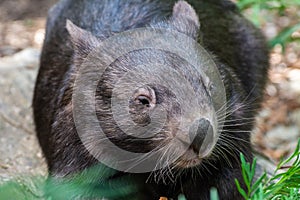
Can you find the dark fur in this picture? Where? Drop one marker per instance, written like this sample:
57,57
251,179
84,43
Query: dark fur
240,53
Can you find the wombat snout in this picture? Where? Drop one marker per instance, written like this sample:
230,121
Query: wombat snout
201,129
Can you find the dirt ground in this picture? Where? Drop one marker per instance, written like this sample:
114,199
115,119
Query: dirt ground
21,35
23,9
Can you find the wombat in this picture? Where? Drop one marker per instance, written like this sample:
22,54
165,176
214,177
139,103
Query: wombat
76,27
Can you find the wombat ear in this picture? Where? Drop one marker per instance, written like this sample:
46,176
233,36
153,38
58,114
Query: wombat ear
185,19
83,41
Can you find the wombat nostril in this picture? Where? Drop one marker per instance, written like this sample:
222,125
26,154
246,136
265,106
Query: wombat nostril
200,129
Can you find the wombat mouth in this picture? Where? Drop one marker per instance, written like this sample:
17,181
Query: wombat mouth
188,160
191,154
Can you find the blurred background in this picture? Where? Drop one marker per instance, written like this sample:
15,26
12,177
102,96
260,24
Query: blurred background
22,29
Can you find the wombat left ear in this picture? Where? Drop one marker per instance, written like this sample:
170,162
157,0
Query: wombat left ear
83,41
185,19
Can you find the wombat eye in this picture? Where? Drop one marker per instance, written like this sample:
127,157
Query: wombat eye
144,96
141,99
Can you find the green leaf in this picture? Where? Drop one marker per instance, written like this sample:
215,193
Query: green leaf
284,36
258,183
214,194
241,190
246,172
181,197
242,5
252,170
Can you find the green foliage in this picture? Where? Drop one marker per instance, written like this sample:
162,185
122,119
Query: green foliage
214,194
284,36
86,185
181,197
15,190
279,7
282,185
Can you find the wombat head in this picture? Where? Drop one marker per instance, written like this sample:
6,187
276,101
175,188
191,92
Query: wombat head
149,100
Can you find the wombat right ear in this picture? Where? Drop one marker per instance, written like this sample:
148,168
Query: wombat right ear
185,19
83,41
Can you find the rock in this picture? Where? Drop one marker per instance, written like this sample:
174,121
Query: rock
7,50
26,58
282,134
264,165
19,149
294,78
295,117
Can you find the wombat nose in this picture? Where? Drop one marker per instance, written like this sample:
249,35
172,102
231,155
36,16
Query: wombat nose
200,129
